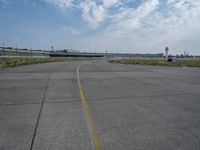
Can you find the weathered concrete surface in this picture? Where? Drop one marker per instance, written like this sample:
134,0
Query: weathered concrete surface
132,106
61,124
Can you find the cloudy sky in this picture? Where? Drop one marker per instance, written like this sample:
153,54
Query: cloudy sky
133,26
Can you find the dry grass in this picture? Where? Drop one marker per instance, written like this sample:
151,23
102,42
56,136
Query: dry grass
160,62
12,62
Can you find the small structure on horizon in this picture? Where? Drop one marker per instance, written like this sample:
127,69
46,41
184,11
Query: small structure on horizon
166,52
52,48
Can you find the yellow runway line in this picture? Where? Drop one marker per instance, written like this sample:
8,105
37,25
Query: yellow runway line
95,137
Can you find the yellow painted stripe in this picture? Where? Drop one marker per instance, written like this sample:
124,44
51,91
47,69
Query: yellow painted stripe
95,137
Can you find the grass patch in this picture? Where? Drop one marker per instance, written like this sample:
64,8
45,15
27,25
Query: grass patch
160,62
12,62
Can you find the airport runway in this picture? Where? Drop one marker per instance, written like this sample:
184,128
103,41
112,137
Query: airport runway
122,107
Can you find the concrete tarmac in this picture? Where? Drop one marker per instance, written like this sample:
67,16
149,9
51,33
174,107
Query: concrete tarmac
133,107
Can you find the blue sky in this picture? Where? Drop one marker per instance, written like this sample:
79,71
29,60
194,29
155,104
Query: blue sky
131,26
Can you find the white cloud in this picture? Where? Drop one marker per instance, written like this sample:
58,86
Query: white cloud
130,19
61,3
71,30
92,13
109,3
95,14
154,23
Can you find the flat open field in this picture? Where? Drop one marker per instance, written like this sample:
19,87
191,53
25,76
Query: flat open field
123,107
18,61
180,62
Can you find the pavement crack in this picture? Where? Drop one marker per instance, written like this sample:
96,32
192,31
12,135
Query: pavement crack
39,115
19,104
